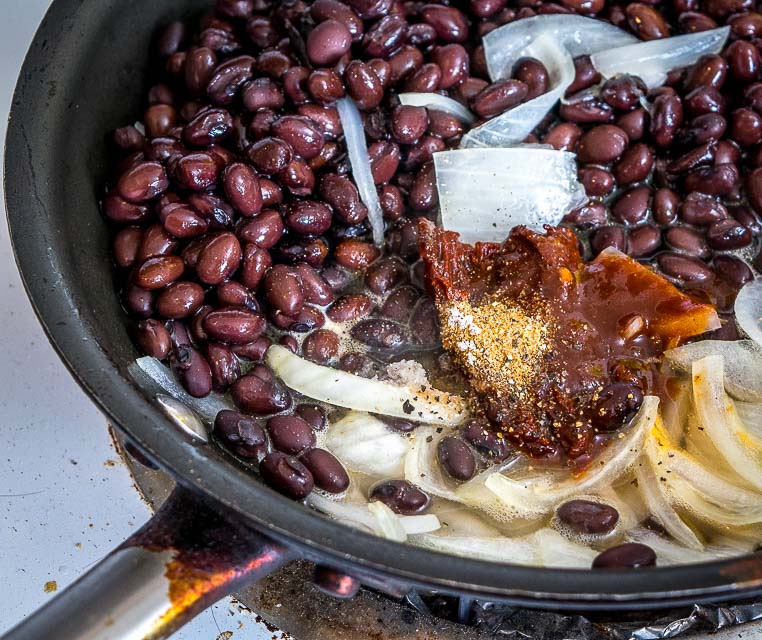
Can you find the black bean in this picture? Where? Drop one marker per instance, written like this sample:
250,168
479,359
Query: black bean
328,472
401,497
625,556
726,235
456,458
587,517
286,475
312,414
254,395
290,434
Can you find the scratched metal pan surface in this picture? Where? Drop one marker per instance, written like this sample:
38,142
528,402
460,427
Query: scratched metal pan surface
84,75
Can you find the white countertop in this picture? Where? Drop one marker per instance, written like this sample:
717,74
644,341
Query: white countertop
65,498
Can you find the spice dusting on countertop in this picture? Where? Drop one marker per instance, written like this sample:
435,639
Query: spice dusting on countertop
501,346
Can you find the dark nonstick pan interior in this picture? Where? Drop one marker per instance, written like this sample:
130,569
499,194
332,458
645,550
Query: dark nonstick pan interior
83,76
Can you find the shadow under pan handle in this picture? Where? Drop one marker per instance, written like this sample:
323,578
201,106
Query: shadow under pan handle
184,559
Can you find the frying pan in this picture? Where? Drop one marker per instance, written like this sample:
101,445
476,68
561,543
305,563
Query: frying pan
83,76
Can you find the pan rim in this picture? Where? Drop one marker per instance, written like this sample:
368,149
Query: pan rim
313,534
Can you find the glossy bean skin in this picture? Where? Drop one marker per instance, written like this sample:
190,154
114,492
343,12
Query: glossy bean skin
683,268
260,396
327,472
327,42
219,259
634,165
242,188
456,458
630,555
363,85
602,144
687,241
234,325
224,365
192,370
499,97
587,517
153,338
290,434
286,475
180,300
284,289
401,497
321,346
644,241
240,433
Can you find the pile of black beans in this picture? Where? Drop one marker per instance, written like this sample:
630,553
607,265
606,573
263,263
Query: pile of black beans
237,221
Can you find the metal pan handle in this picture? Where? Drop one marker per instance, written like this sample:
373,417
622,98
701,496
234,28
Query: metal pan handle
184,559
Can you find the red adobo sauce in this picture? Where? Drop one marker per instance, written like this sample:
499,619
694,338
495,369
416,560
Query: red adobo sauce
558,352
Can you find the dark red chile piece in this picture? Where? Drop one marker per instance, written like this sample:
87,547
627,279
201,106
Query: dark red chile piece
234,325
683,268
219,259
290,434
609,237
329,474
224,365
401,497
666,118
498,97
180,300
192,370
630,555
602,144
158,272
286,475
728,235
143,181
588,518
644,241
283,289
327,42
259,394
646,21
702,210
153,338
687,241
312,414
240,433
632,206
456,458
615,405
321,346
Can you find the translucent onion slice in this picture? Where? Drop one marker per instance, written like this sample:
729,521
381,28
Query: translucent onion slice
660,507
438,102
365,444
748,310
719,419
743,364
357,149
513,126
543,493
522,550
577,35
152,376
651,61
374,396
387,521
484,193
556,550
669,553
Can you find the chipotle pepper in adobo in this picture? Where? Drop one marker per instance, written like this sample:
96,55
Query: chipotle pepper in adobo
558,352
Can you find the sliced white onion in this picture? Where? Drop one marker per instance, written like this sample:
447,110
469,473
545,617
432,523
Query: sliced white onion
521,550
719,419
576,34
388,522
558,551
355,513
424,523
513,126
153,376
743,364
374,396
661,509
651,61
669,553
365,444
359,160
748,310
484,193
544,493
438,102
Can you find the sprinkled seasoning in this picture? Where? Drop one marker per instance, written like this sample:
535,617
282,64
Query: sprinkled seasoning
503,346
